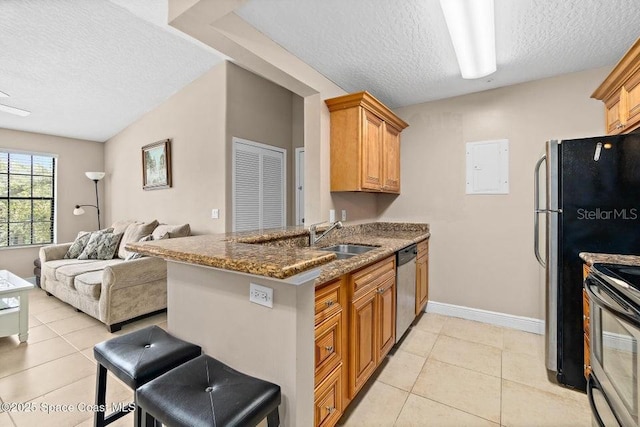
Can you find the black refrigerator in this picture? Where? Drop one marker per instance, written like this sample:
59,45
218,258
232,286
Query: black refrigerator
589,203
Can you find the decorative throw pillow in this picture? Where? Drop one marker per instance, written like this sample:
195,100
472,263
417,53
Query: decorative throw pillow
81,241
121,226
134,233
101,246
181,230
136,255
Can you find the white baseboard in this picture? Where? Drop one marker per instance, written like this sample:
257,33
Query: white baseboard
526,324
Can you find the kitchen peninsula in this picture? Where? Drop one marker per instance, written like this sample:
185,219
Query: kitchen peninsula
208,286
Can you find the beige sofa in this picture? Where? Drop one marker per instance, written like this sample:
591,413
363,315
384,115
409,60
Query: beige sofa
113,291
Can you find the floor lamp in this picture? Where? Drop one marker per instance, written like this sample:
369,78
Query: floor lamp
95,177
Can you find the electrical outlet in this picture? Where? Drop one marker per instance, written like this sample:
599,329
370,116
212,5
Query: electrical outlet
344,214
215,213
332,215
261,295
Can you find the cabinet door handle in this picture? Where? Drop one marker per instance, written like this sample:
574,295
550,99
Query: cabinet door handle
329,348
331,409
329,303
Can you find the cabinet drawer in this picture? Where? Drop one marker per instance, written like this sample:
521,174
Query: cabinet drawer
328,346
328,300
328,400
372,276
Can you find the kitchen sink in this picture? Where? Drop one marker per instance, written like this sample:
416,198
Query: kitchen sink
348,249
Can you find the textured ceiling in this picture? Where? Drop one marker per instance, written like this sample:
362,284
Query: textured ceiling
88,68
400,51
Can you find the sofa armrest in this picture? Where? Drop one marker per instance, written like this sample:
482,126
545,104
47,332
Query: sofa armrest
134,272
52,252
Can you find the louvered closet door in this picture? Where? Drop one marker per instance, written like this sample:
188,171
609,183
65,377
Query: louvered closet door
258,186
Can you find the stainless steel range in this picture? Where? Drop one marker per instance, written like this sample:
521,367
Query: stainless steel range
614,387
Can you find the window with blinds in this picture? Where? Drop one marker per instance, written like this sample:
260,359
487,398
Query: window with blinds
27,201
258,186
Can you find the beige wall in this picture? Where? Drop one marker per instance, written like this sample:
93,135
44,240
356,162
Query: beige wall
75,157
482,246
194,119
260,111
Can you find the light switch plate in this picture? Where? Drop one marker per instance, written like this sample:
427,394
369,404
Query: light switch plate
344,214
332,215
215,213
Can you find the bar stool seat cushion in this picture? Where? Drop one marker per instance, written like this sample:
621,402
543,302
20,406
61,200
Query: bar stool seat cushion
206,392
142,355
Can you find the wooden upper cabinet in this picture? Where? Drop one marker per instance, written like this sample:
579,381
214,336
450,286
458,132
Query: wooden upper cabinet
372,140
391,165
620,93
365,144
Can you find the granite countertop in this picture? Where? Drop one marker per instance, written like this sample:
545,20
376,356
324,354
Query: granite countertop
593,258
282,253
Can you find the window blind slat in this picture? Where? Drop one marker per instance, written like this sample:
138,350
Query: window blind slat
27,204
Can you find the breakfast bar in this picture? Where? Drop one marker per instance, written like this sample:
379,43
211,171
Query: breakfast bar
210,279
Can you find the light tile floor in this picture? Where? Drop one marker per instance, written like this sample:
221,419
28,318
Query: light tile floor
54,373
446,372
455,372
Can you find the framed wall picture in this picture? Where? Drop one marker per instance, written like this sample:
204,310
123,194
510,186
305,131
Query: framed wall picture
156,165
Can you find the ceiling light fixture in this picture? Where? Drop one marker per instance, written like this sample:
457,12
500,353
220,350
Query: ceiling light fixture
471,25
3,95
13,110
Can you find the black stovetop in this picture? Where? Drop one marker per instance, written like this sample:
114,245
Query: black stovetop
623,280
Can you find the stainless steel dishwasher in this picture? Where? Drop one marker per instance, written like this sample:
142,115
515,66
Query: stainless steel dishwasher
405,289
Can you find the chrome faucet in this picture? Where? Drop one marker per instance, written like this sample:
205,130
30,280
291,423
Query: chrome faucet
313,239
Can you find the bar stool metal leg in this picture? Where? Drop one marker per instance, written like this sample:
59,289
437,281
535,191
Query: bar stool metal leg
101,396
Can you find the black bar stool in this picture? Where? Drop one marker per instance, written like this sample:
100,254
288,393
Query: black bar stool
205,392
137,358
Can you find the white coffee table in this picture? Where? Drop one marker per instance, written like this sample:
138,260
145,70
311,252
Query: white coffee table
14,305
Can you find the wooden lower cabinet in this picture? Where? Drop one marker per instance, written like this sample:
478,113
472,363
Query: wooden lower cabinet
362,345
422,276
373,320
328,346
586,325
328,404
386,318
355,326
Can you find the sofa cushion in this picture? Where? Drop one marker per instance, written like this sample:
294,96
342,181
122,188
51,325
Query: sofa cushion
173,231
81,241
134,233
49,268
101,246
89,284
66,274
